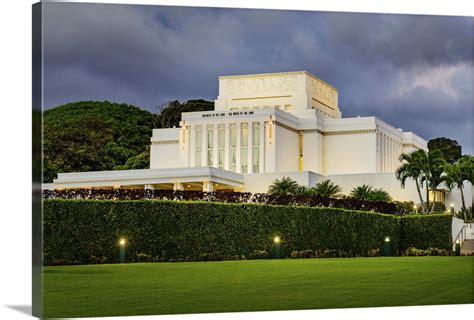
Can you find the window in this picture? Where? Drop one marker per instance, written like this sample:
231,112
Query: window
255,147
210,145
221,145
232,147
244,146
440,196
198,146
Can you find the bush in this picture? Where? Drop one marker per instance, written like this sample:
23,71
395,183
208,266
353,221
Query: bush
302,254
225,197
143,257
259,254
183,231
414,252
426,230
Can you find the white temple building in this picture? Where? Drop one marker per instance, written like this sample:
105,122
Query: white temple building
265,127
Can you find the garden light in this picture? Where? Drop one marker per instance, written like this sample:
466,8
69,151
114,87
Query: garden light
122,243
276,247
458,247
387,247
458,242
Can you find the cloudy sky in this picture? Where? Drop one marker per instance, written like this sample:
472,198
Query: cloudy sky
414,72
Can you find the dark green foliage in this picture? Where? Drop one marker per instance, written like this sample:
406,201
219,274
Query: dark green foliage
327,188
366,192
450,149
101,135
75,230
285,186
95,136
37,145
170,116
226,197
425,231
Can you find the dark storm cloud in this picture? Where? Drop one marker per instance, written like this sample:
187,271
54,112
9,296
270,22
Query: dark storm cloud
414,72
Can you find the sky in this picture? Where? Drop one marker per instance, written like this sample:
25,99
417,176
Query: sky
414,72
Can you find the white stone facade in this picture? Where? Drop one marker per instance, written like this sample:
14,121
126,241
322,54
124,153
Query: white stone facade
266,126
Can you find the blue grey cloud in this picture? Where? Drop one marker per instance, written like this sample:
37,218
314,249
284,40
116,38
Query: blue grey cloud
415,72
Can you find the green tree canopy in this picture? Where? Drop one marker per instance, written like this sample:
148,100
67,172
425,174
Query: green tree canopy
450,149
102,135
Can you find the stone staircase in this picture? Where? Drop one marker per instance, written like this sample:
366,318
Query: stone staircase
467,247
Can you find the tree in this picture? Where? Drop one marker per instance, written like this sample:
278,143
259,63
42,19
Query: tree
412,168
379,195
455,175
433,173
366,192
170,112
361,192
94,136
450,149
327,188
286,186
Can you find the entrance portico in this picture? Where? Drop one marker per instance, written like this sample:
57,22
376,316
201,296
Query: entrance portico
199,178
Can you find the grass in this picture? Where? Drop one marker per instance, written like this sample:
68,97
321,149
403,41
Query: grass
195,287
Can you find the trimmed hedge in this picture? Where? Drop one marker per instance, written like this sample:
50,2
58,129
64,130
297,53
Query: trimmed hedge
77,230
426,231
226,197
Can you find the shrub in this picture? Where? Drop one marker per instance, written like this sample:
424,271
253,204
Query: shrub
97,260
303,199
405,207
259,254
143,257
375,253
302,254
74,230
414,252
426,230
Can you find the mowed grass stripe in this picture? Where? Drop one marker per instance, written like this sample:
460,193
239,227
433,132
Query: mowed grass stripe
167,288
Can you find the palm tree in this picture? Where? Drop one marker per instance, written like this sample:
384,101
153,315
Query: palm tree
327,188
455,175
379,195
361,192
433,173
286,186
412,168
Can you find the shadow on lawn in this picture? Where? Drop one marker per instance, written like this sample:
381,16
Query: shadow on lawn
26,309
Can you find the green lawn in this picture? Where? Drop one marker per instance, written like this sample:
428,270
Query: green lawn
165,288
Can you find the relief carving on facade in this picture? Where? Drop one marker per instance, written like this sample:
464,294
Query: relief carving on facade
261,85
322,92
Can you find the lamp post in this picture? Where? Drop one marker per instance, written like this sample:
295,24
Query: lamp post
387,247
452,208
458,247
276,247
122,243
415,207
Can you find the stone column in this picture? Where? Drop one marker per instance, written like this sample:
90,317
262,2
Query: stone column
238,166
250,147
226,146
178,186
192,146
215,147
204,145
262,147
207,186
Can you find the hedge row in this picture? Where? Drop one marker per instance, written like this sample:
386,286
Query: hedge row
84,231
226,197
426,231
